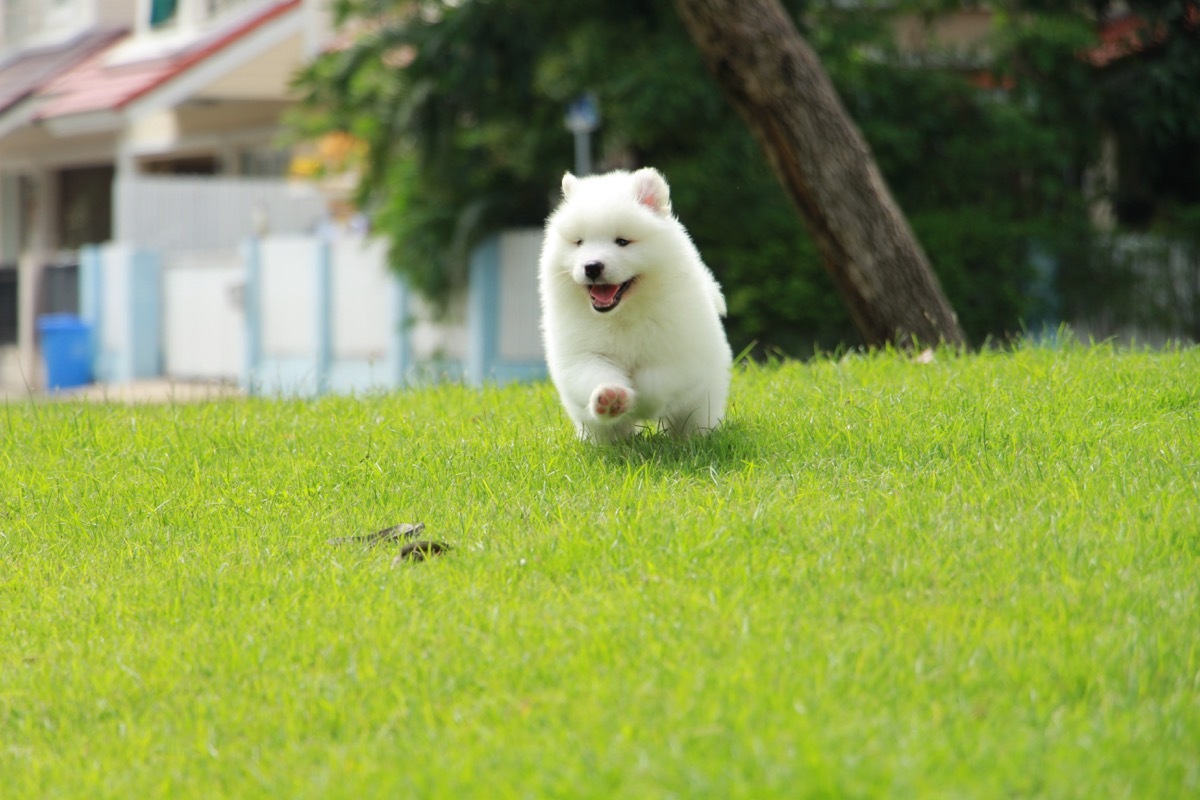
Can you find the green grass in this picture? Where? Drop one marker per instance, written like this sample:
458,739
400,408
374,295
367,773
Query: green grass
974,578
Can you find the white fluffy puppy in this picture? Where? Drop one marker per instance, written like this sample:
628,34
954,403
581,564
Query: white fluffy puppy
630,314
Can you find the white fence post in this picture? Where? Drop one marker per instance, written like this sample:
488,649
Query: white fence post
323,315
483,327
121,297
252,304
504,342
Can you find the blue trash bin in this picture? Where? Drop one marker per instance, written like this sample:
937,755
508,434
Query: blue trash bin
66,349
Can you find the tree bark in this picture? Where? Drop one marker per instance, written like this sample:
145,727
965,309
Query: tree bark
776,82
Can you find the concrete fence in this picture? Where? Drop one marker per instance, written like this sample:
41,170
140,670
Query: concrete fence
322,317
305,315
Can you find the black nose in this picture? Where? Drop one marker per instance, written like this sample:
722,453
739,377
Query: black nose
593,269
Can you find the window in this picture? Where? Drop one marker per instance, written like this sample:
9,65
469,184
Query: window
187,14
163,12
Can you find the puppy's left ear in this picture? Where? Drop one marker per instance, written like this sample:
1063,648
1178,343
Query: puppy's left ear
651,190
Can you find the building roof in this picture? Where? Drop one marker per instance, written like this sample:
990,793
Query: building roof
1130,34
25,73
103,83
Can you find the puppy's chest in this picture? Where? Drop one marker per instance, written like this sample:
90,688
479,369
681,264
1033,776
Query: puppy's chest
632,347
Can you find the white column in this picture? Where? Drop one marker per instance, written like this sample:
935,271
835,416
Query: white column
30,266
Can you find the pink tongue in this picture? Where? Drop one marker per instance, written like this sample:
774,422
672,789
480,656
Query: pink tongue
603,293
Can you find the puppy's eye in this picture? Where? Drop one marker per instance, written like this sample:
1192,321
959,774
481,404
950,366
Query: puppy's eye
578,242
620,242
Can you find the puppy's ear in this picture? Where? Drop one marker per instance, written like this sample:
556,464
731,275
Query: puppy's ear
650,188
568,184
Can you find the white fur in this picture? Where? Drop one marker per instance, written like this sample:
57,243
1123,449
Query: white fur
661,353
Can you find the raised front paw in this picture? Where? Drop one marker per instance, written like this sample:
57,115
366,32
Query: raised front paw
610,402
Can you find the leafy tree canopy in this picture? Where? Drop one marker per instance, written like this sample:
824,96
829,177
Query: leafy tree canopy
461,105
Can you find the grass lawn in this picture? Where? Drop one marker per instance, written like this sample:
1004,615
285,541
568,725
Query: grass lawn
978,577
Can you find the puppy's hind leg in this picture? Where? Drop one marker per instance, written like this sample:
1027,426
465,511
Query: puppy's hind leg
697,420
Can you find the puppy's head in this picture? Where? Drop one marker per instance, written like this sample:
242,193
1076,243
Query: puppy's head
607,234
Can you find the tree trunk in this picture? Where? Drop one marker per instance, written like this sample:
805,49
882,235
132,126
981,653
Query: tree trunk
776,82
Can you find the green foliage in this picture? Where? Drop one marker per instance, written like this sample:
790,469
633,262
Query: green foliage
977,577
983,172
983,264
1152,104
462,104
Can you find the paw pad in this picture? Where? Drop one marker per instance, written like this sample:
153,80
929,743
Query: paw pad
610,401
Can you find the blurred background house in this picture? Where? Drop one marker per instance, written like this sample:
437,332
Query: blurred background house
148,185
102,102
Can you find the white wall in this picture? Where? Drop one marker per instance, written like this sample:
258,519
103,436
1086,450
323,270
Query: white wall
520,309
437,337
364,314
204,324
288,296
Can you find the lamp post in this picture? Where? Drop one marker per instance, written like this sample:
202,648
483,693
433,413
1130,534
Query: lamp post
583,117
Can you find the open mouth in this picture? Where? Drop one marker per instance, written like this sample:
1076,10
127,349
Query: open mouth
606,296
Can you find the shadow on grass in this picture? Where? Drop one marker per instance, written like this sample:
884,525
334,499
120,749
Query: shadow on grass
731,444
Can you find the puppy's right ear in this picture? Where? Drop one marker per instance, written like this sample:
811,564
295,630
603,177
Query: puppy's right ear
568,184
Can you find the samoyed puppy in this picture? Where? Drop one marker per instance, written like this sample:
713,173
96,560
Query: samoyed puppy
631,317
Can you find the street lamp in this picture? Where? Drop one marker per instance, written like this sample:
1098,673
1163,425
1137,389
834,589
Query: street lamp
583,117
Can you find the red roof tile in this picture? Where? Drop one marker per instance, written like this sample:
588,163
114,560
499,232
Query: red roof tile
26,73
99,85
1129,35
